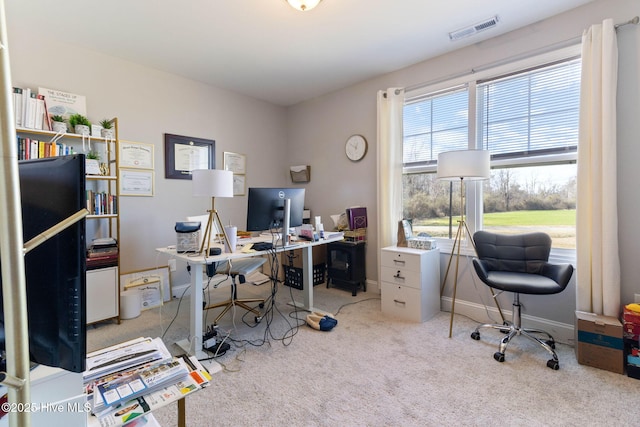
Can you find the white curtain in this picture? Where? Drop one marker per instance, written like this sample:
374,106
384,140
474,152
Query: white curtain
390,104
598,264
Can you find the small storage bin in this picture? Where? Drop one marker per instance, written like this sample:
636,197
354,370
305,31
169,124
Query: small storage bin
293,276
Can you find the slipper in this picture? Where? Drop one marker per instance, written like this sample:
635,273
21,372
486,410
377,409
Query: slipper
321,322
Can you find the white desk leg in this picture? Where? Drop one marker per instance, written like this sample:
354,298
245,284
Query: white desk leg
193,346
307,280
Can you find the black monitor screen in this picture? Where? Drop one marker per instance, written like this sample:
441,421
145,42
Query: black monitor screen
265,208
52,189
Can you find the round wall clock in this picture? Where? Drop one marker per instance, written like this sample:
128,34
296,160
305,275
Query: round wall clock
356,147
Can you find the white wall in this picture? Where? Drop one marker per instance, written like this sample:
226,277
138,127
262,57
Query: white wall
149,103
318,128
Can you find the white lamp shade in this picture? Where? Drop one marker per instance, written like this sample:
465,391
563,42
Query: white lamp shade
303,5
463,164
212,183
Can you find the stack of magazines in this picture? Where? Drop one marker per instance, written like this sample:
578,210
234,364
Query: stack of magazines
102,253
130,380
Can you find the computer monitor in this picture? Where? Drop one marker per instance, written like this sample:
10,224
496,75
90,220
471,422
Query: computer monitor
52,189
266,208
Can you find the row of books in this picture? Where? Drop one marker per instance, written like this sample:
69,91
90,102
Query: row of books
29,148
129,380
30,109
101,203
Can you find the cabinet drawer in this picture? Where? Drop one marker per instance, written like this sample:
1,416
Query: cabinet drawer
402,302
401,276
401,259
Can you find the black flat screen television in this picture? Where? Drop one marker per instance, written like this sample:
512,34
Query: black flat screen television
265,208
52,189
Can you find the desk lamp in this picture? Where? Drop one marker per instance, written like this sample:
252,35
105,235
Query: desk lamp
463,165
212,183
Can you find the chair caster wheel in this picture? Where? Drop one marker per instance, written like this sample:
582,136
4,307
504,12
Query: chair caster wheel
475,335
258,319
551,344
498,356
553,364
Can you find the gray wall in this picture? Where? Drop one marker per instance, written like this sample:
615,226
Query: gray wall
150,103
318,128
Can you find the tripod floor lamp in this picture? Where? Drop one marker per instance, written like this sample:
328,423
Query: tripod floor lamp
212,183
462,165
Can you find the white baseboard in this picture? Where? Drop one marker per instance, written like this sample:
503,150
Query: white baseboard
561,332
179,291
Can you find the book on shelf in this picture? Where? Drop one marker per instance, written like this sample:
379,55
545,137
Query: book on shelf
17,105
357,217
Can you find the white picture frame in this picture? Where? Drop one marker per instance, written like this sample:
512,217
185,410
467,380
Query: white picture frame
160,273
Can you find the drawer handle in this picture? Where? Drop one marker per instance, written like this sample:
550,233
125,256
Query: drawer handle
398,276
398,261
399,302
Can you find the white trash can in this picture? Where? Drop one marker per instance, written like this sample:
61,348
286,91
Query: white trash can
130,303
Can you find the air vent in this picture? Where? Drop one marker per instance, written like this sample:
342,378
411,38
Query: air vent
474,29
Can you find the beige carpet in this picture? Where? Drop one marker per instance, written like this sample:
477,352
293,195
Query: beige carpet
372,370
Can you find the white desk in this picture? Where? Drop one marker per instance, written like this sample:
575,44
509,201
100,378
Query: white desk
193,346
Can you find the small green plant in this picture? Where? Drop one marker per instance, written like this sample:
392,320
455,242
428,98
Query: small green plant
106,124
93,155
57,118
78,119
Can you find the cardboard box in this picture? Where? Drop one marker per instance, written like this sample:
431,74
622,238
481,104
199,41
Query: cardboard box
318,255
599,342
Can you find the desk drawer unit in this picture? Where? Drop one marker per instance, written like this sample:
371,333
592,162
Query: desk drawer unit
410,283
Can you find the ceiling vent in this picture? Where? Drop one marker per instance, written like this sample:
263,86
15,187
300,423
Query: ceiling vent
474,29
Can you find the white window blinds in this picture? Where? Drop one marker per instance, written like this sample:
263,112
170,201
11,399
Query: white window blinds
435,123
530,113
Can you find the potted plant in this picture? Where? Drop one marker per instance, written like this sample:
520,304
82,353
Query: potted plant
58,124
92,163
81,125
107,129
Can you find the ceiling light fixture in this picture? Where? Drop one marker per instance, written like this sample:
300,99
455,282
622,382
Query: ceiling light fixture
303,5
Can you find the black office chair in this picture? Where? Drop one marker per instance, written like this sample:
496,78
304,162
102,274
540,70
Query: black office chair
519,264
238,269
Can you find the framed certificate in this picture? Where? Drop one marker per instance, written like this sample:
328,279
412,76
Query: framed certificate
238,185
234,162
134,182
184,154
136,155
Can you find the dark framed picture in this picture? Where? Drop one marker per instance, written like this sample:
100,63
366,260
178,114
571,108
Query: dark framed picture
184,154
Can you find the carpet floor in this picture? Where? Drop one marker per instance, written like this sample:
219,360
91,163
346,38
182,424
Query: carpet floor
374,370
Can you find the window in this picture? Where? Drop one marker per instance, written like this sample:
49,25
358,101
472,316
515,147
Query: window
528,120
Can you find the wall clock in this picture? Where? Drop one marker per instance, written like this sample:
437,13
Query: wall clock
356,147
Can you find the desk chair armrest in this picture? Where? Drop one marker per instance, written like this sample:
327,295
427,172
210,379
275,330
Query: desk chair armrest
559,273
481,269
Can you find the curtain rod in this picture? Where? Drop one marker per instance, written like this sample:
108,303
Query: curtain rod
633,21
566,43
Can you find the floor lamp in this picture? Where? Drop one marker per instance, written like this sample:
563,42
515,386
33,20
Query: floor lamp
212,183
463,165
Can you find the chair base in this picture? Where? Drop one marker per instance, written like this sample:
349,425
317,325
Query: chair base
234,301
242,303
514,328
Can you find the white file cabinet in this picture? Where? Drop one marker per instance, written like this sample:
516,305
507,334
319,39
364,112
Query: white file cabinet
102,294
410,282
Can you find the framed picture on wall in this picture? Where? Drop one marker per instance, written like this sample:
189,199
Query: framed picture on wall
184,154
